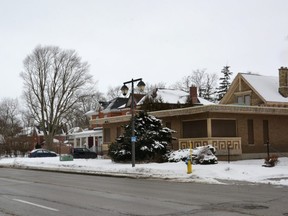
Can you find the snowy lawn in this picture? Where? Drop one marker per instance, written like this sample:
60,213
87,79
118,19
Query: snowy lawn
246,170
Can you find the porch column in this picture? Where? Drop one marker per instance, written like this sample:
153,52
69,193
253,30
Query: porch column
209,128
80,142
75,142
94,147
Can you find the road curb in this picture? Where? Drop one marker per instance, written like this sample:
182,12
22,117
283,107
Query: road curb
86,172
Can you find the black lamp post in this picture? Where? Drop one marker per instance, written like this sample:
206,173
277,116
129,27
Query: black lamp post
124,89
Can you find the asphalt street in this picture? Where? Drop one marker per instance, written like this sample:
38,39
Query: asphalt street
29,193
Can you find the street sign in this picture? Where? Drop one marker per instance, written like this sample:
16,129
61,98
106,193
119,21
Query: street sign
133,139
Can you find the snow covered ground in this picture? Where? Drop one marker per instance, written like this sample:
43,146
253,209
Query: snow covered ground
222,173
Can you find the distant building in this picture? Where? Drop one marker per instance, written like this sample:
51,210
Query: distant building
91,139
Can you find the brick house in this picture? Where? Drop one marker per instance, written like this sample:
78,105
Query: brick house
252,113
111,121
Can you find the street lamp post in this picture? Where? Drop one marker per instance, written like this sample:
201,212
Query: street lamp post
124,89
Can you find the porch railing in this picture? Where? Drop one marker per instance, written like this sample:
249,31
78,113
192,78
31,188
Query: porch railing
222,144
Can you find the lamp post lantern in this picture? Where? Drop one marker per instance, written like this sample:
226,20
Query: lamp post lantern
124,90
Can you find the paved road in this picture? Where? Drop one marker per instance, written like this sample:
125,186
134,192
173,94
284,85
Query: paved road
38,193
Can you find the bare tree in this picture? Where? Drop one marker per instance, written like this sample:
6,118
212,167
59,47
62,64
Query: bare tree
88,100
150,87
205,82
10,124
184,84
209,89
52,77
9,117
114,92
27,118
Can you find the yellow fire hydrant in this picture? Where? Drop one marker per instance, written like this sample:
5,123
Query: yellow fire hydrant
189,166
189,162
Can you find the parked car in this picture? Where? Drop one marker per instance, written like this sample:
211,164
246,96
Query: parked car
42,153
83,153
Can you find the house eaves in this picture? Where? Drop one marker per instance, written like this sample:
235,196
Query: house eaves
237,109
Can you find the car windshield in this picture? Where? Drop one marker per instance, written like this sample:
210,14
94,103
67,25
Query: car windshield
81,150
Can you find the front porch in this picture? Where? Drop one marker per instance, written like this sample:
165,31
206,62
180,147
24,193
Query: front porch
91,139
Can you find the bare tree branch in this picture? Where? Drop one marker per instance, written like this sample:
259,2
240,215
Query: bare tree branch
52,77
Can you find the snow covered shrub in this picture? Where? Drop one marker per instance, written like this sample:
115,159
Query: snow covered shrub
271,161
151,143
200,155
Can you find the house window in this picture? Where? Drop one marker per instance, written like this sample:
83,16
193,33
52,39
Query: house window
240,100
244,100
107,135
223,128
250,127
195,129
247,100
265,131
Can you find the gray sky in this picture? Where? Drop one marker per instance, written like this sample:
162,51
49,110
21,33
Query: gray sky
157,40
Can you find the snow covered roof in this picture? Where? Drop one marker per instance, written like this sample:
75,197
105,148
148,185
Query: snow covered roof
204,101
266,87
91,112
115,104
29,131
173,96
86,133
75,130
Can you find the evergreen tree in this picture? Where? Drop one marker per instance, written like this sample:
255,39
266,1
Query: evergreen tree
224,82
151,143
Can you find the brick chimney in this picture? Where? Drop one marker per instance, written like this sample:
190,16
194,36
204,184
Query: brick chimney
283,81
193,94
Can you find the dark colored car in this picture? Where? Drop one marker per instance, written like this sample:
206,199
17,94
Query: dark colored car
83,153
42,153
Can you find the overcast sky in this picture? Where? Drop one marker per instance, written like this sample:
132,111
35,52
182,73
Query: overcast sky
157,40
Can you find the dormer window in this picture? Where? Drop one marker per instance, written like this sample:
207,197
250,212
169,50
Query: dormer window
243,98
240,100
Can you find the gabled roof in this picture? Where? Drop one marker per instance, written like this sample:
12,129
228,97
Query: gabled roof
137,99
265,87
173,96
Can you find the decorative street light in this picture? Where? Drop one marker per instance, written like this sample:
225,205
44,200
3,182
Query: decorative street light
124,90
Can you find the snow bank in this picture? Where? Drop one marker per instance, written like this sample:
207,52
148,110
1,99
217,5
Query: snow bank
223,172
